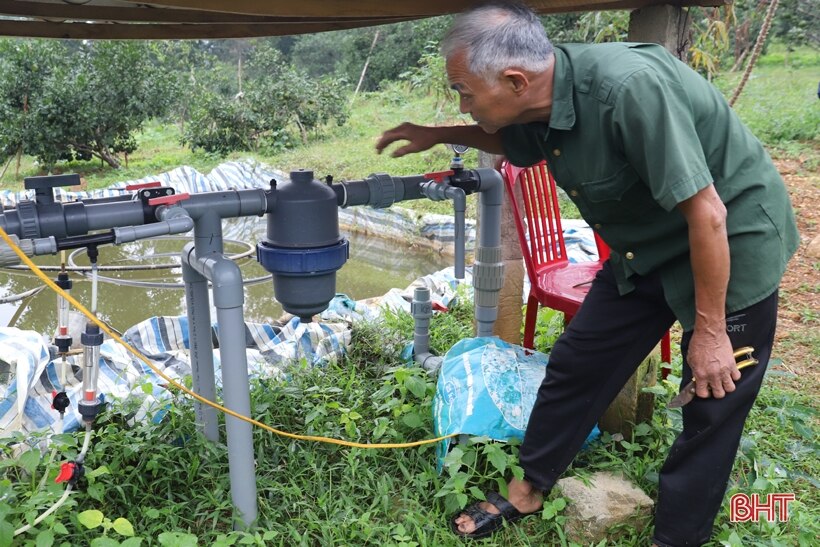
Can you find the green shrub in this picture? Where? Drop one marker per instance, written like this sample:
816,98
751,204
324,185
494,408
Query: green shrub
59,103
279,107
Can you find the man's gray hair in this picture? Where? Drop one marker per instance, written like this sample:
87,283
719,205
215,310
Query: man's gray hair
498,36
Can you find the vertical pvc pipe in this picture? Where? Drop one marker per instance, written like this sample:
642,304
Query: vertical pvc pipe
460,208
236,393
228,296
488,271
198,307
422,310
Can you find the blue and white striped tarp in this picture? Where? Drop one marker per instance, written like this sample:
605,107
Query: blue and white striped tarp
32,376
26,398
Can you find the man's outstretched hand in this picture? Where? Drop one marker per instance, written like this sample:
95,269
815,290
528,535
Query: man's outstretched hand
420,138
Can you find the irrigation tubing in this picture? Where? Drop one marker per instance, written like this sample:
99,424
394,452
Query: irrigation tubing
165,284
64,497
159,284
21,296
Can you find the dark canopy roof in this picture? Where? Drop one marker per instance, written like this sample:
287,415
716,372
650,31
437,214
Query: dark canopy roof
188,19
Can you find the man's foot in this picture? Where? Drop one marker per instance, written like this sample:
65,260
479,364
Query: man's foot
521,495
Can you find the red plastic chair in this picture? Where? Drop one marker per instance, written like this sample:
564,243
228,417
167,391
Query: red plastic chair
555,282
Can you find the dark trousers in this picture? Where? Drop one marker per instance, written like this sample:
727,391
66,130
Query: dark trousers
590,363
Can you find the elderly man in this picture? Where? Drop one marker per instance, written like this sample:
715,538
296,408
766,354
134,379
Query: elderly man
700,227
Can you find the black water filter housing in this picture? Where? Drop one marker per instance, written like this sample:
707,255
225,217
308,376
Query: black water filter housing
303,248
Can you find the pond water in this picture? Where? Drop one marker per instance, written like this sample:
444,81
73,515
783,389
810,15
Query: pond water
375,266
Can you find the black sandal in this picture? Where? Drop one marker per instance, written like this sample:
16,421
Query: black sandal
486,523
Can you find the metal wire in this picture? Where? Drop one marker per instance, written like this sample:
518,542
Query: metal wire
72,267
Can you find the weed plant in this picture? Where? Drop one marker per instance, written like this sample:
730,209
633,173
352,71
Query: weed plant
164,484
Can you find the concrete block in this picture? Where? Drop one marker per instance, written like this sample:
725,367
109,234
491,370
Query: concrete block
607,501
662,24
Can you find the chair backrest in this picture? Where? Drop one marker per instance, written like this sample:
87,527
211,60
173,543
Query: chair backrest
540,196
546,242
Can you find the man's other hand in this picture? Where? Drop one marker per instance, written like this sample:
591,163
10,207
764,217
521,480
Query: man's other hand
713,364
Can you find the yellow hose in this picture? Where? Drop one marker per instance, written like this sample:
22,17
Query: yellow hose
105,328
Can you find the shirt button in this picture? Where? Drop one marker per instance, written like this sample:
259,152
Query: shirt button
573,193
597,226
556,152
629,255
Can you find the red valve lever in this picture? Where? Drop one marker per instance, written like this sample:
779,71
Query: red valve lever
168,200
134,187
66,472
439,175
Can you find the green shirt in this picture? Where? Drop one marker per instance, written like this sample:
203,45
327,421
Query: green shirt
632,133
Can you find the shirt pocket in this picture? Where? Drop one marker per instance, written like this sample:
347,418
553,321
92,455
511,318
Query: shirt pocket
620,197
772,226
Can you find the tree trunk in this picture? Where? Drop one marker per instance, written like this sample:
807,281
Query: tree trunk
108,158
302,130
366,63
3,174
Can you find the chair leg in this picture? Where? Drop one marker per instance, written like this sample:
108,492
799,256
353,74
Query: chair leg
666,355
529,322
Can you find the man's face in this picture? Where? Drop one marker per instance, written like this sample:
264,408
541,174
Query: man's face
492,106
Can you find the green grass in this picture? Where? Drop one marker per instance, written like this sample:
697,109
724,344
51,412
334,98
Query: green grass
172,486
780,105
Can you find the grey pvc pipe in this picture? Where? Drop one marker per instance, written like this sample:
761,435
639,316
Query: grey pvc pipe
361,192
422,310
208,234
206,258
491,197
439,192
176,225
488,272
30,247
103,216
236,393
226,204
201,350
459,199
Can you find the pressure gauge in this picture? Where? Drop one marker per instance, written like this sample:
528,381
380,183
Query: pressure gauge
459,148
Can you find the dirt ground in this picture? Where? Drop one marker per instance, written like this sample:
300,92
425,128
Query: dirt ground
798,329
